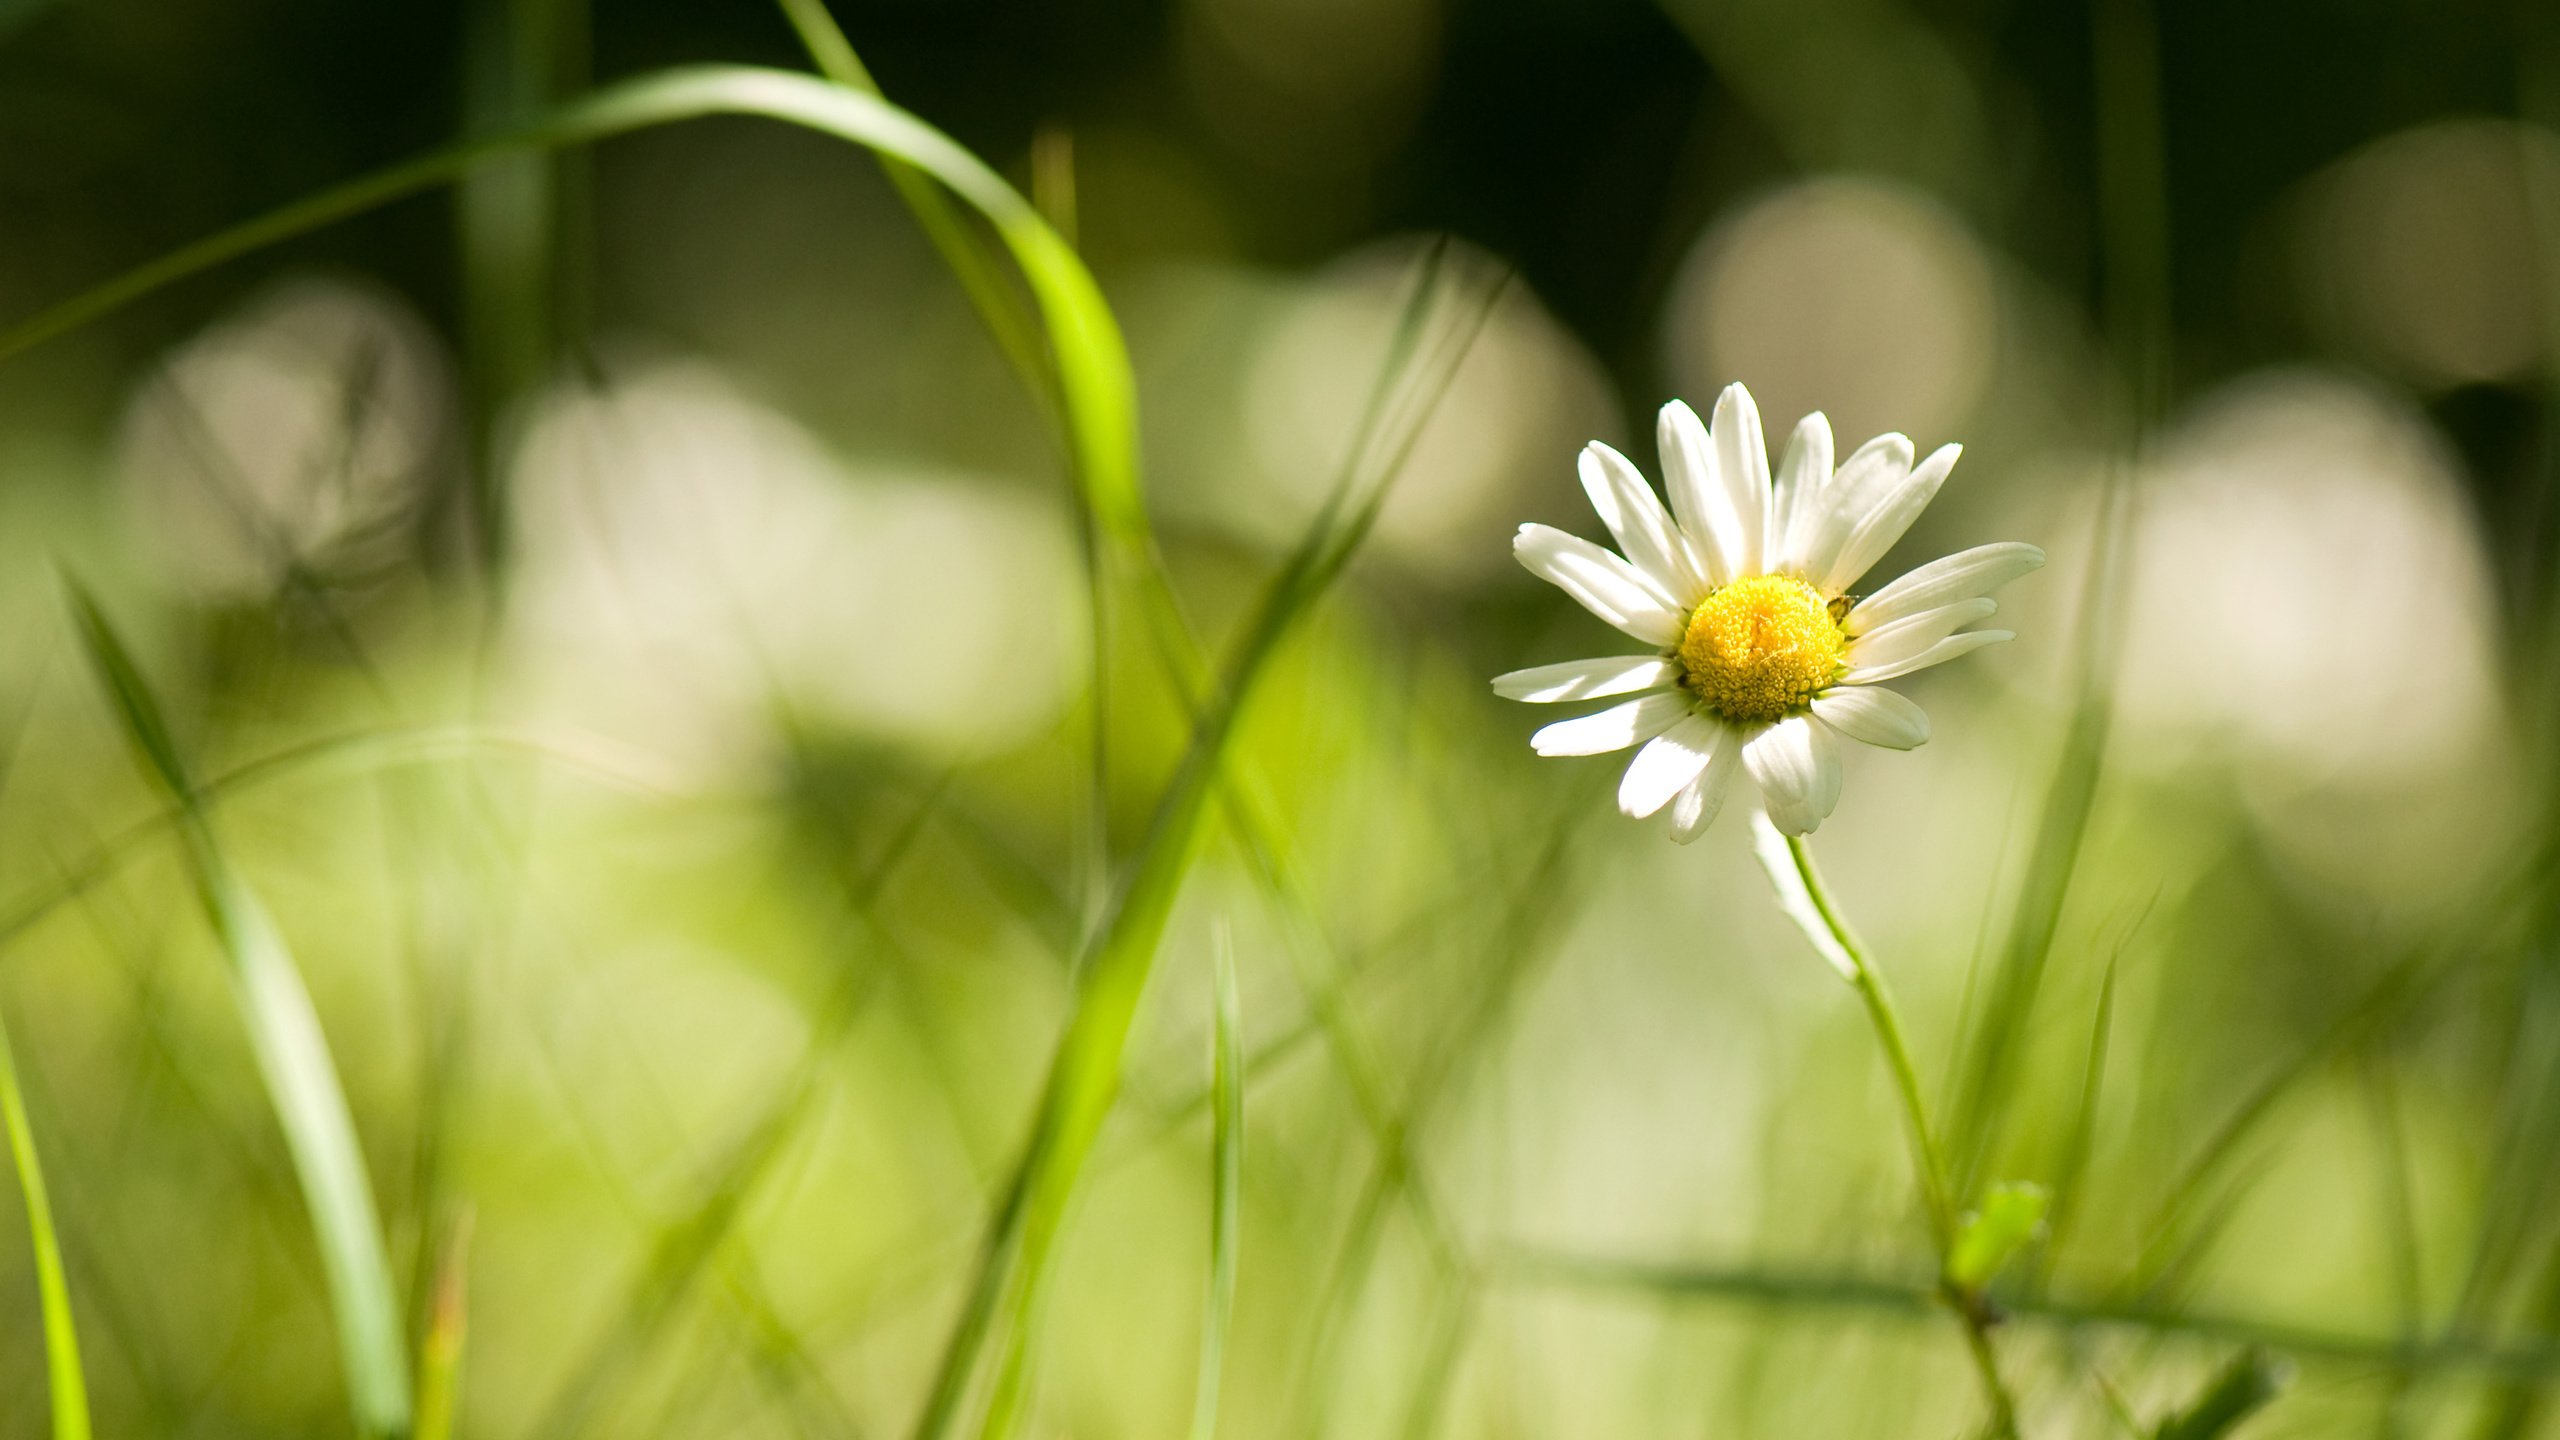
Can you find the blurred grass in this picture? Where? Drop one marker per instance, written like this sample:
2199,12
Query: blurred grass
292,1055
1488,1024
1111,971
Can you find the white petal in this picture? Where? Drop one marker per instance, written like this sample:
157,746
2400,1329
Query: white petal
1665,767
1827,746
1798,770
1826,522
1742,463
1802,475
1615,728
1938,654
1587,679
1697,496
1780,864
1912,634
1643,528
1887,520
1960,576
1606,585
1694,809
1878,717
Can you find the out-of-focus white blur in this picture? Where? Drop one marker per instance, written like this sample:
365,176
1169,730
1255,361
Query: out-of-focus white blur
1861,299
693,560
2417,252
2311,606
297,436
1521,404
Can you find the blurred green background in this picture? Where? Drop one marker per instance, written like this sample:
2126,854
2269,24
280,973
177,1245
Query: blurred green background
646,627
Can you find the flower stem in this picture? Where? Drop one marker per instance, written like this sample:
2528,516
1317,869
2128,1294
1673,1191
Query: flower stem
1975,1317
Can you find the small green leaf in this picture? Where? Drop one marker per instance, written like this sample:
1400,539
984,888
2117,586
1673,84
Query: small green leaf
2010,1216
2236,1392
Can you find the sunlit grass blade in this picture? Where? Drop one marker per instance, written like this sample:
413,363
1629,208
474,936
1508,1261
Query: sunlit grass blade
1015,330
2052,860
2134,222
1248,809
292,1056
1096,389
447,1329
67,1389
1084,1075
1226,1191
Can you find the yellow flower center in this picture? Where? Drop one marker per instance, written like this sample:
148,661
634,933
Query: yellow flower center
1760,647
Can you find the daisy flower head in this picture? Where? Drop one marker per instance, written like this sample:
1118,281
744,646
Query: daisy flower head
1760,658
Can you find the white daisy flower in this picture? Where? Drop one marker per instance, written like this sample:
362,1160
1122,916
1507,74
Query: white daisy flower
1761,657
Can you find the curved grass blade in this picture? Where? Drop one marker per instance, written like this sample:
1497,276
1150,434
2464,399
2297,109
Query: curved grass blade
2134,219
70,1393
1226,1146
1016,332
1178,648
1112,970
1000,307
1096,389
292,1056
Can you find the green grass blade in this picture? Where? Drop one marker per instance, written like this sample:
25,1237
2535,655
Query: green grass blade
1226,1192
1084,1075
144,728
292,1056
979,272
70,1393
302,1083
2134,219
1097,392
